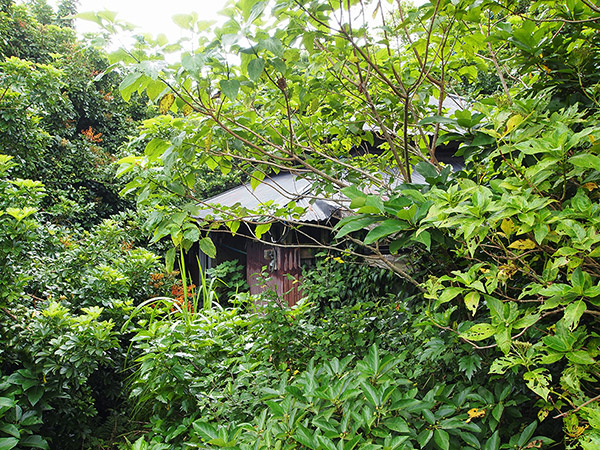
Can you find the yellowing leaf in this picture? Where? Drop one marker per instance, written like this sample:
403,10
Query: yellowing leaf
507,226
187,109
538,381
506,271
472,301
590,186
522,244
475,413
576,431
479,332
165,103
513,122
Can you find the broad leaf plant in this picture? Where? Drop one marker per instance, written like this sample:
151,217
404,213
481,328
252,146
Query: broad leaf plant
354,96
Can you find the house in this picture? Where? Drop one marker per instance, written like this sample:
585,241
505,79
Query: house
290,243
286,247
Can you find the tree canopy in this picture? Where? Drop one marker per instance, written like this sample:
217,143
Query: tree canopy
304,86
477,330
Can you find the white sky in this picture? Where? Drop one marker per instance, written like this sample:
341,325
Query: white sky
150,16
155,16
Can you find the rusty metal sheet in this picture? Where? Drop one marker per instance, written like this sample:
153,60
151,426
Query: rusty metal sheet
284,276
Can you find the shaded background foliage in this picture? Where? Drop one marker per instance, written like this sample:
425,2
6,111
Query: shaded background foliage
63,126
486,339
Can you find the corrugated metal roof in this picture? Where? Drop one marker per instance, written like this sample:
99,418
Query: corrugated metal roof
281,190
284,188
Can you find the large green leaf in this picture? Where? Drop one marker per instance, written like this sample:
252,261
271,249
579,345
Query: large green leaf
8,443
386,228
130,84
438,119
206,430
424,437
581,357
373,205
208,247
256,178
255,68
397,424
10,429
586,161
230,88
442,439
305,437
185,21
273,45
255,12
35,394
573,313
354,223
34,441
262,229
493,443
423,237
527,434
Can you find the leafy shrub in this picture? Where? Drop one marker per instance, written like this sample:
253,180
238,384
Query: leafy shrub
184,366
371,404
53,369
18,202
20,421
100,267
231,280
343,280
51,98
197,372
523,288
295,336
338,404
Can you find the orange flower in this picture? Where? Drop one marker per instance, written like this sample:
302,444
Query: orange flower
179,298
90,136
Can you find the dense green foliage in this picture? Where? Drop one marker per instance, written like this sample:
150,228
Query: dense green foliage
371,374
64,291
474,324
64,297
515,234
62,125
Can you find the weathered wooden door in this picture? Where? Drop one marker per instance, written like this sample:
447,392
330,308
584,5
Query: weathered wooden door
282,268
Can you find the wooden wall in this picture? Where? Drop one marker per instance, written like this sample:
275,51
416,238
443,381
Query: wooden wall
285,272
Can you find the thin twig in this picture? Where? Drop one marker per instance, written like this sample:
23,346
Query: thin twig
11,315
591,400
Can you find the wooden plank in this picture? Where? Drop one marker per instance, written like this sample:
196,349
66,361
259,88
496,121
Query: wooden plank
285,279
